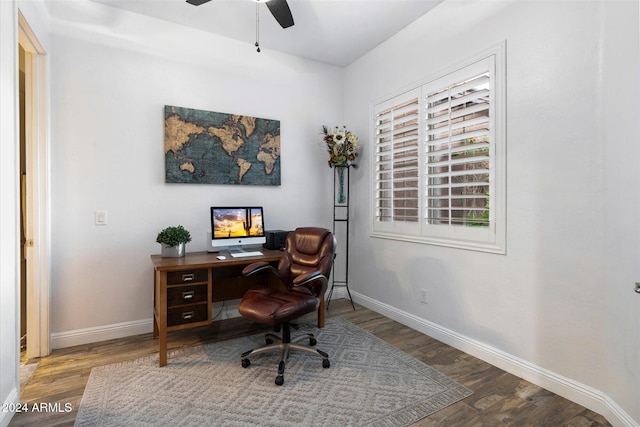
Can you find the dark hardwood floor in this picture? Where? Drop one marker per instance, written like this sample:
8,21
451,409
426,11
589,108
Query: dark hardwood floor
499,399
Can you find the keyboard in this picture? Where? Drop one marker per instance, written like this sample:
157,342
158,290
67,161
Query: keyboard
245,254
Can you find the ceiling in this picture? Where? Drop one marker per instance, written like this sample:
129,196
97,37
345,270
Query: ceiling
332,31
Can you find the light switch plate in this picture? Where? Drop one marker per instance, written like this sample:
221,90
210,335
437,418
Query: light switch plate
100,218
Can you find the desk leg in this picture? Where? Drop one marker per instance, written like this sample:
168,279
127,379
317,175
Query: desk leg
160,334
163,349
156,331
321,313
160,315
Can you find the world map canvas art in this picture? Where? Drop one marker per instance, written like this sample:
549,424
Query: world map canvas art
205,147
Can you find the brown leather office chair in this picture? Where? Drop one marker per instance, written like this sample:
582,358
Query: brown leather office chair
304,270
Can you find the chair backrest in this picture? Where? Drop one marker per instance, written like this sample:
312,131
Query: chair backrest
307,249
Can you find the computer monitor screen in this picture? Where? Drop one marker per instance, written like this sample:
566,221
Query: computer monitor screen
234,227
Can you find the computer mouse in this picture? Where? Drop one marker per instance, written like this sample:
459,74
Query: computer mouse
221,257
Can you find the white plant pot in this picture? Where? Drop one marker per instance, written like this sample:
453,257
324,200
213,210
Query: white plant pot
173,251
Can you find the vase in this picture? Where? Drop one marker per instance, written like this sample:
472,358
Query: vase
341,185
177,251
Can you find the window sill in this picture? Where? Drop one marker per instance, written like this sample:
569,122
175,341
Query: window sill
488,247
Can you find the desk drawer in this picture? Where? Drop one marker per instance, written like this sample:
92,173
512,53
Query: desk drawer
187,276
186,314
180,295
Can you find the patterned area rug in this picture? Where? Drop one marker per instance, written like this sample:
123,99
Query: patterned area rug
369,383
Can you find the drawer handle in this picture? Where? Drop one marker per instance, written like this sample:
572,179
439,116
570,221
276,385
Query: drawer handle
188,315
188,295
188,277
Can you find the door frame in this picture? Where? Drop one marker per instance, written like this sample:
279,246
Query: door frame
36,191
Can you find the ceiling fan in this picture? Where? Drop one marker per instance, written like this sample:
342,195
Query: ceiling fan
278,8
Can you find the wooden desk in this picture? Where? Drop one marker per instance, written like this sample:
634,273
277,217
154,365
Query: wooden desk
184,289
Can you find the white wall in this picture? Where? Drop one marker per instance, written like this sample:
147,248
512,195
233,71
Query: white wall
621,122
559,306
112,73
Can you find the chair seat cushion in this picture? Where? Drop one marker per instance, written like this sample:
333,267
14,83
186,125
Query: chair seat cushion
271,307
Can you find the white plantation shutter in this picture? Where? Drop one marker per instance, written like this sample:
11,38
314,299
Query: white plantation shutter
458,147
439,164
396,166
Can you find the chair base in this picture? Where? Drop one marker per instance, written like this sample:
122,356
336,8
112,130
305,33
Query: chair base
285,345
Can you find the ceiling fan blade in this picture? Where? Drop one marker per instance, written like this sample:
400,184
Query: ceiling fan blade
197,2
280,10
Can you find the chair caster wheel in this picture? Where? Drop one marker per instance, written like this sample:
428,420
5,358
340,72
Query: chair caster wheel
279,380
326,363
246,363
312,342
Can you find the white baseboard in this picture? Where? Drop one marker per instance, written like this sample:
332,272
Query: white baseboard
616,415
100,333
12,400
579,393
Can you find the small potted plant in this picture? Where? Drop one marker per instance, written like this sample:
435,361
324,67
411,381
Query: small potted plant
173,241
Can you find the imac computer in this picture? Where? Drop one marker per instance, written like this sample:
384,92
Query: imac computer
237,229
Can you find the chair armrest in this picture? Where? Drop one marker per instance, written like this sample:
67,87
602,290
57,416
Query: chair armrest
312,277
303,279
258,267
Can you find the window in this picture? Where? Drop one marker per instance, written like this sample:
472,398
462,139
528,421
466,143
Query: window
439,160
